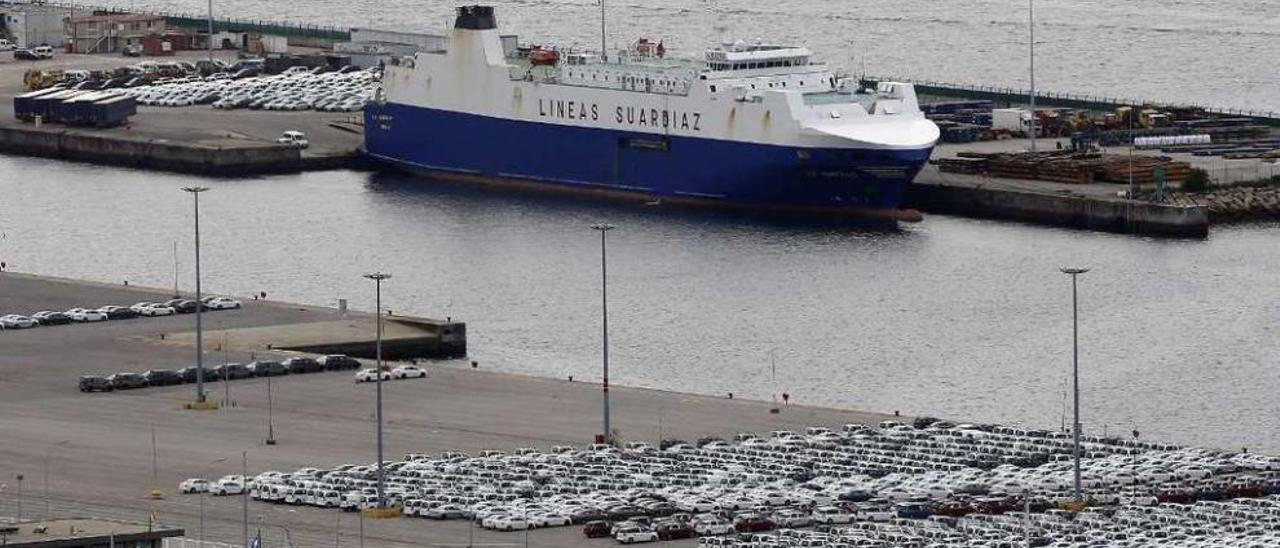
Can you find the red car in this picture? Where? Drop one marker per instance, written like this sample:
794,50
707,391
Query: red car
597,529
752,523
955,509
675,531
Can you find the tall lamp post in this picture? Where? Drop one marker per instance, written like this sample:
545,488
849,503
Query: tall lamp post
19,478
1031,20
48,455
603,228
202,492
200,396
1075,371
377,278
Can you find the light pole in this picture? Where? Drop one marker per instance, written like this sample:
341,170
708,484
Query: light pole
200,396
244,496
1031,19
377,278
271,433
19,478
603,228
202,492
210,40
1075,370
49,454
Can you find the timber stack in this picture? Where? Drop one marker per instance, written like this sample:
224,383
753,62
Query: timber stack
1066,167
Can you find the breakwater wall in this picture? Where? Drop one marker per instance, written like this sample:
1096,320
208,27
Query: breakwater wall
931,195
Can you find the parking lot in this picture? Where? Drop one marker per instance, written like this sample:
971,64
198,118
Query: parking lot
207,125
97,447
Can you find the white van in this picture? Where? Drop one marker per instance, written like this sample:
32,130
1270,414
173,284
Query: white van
5,45
43,52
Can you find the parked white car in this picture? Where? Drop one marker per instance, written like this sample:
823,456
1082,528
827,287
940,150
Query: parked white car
634,534
226,486
408,372
221,303
369,375
709,527
194,485
156,309
294,138
830,515
85,315
17,321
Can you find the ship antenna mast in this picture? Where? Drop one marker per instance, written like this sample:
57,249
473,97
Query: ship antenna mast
604,50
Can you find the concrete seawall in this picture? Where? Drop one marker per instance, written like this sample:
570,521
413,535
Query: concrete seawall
1021,201
151,153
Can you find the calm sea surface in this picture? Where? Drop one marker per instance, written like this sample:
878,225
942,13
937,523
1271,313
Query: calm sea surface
950,317
1215,52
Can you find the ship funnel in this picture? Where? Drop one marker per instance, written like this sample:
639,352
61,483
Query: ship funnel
475,18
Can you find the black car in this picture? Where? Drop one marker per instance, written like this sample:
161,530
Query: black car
268,369
185,306
115,83
118,312
188,374
126,381
162,377
232,371
49,317
24,54
91,383
303,365
338,362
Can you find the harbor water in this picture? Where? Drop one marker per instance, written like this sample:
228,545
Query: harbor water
1213,52
951,317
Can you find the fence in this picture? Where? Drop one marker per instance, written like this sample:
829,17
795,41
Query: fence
1068,100
183,542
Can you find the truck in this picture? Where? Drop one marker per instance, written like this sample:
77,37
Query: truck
1012,120
113,112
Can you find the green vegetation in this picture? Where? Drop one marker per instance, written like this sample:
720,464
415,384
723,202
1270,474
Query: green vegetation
1196,181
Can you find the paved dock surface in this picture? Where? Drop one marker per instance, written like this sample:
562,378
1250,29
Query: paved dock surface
201,124
97,447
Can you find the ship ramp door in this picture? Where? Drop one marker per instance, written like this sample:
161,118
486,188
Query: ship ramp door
642,163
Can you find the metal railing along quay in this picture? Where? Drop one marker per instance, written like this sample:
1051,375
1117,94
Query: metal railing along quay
1056,99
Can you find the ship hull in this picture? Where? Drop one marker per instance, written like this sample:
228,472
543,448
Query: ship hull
611,162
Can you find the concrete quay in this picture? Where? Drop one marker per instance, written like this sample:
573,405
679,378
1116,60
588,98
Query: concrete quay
97,447
1093,206
199,139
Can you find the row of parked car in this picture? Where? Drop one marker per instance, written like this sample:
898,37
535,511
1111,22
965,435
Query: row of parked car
224,372
113,312
938,477
299,88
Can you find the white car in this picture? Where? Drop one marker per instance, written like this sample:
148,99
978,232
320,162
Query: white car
17,321
156,309
408,372
137,307
222,303
633,534
510,523
226,486
548,520
294,138
194,485
84,315
368,375
830,515
709,527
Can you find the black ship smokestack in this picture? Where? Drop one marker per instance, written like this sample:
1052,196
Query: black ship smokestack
475,18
